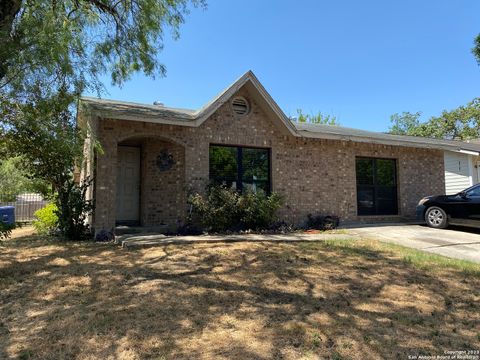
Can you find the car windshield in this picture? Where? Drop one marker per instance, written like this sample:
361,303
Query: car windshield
473,191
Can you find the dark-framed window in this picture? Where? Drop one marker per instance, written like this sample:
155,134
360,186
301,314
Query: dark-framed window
376,186
239,167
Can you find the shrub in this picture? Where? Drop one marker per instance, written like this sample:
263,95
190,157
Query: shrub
223,209
46,219
218,210
258,210
73,209
321,222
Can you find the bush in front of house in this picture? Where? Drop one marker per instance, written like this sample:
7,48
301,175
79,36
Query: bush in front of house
224,209
322,222
258,210
46,219
74,209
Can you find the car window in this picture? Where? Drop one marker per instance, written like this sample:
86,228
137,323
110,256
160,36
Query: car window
475,192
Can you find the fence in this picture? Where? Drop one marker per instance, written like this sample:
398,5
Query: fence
25,204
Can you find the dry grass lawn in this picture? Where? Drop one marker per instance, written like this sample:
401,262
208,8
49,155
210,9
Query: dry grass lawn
230,301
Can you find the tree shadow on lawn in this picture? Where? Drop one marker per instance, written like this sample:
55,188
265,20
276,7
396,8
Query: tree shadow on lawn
248,301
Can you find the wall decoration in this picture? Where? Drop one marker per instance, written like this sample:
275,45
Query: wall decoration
165,161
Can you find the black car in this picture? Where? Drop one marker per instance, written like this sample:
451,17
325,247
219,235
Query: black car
460,209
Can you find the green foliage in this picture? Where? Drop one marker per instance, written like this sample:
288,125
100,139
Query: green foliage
476,48
5,230
462,123
318,118
218,210
78,41
405,123
15,179
257,210
51,52
44,133
74,209
46,219
223,209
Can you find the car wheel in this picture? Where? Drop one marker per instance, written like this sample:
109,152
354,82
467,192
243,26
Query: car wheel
436,217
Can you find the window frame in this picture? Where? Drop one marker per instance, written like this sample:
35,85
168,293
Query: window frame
239,158
376,187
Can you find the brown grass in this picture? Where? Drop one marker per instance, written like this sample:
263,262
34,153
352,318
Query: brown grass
222,301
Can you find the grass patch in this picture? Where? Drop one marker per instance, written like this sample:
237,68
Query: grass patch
417,258
335,299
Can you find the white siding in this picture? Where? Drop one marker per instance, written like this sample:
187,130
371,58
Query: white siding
458,172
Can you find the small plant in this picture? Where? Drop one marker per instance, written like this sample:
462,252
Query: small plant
320,222
316,339
224,209
46,219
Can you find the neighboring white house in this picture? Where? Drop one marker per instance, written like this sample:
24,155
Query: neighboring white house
462,169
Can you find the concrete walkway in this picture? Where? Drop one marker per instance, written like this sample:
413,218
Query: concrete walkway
460,243
147,240
454,242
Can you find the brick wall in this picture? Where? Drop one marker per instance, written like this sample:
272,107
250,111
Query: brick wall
314,175
162,191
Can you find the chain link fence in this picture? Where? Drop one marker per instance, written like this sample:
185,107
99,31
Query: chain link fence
25,204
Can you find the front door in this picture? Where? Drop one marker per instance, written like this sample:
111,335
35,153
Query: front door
128,185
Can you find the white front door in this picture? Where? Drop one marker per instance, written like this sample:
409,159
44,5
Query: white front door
128,184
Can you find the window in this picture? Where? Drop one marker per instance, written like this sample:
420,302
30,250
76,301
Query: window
376,186
473,192
241,168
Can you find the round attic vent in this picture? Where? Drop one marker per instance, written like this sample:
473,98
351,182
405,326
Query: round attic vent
240,106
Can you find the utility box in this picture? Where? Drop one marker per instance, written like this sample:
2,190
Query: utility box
7,214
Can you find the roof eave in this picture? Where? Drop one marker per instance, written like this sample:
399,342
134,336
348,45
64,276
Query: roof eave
371,140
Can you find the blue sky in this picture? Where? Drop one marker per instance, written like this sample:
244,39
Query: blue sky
358,60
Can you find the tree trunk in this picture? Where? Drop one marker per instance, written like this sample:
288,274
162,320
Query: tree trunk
9,9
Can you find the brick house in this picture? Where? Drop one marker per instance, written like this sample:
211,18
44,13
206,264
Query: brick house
153,156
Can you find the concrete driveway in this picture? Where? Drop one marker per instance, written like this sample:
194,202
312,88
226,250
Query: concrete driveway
455,242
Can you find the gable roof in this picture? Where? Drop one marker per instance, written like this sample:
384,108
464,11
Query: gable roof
185,117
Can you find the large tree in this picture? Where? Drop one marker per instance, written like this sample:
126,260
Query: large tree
51,41
462,123
51,51
406,123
